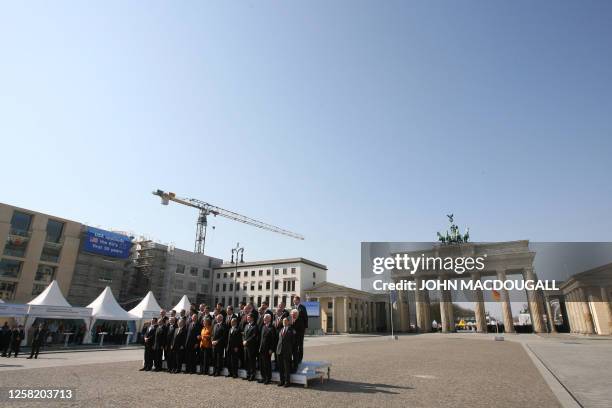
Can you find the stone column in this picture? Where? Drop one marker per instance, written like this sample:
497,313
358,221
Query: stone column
334,325
586,312
606,299
346,325
550,316
505,303
419,306
388,316
444,317
479,307
401,295
427,313
534,303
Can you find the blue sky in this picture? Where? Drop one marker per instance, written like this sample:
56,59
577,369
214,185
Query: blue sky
344,121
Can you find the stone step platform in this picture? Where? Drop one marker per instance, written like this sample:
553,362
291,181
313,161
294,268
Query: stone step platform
307,370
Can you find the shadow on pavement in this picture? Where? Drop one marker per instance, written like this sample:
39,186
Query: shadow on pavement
360,387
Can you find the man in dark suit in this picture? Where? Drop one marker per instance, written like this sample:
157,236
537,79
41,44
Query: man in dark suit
17,335
250,337
160,342
149,342
229,315
178,346
263,311
219,343
168,353
5,339
192,344
267,346
38,339
284,353
280,314
220,309
234,348
300,327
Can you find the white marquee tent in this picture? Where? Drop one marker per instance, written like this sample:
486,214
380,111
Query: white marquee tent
52,304
146,309
183,304
105,307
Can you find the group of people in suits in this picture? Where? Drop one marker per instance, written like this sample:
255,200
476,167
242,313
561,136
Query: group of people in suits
10,339
223,338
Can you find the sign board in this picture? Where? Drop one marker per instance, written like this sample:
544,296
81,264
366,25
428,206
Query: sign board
13,310
60,312
312,308
107,243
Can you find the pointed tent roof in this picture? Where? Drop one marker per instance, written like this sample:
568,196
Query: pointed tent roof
106,307
51,296
184,303
147,304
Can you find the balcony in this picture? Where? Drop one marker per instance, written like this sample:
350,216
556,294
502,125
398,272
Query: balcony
54,243
19,233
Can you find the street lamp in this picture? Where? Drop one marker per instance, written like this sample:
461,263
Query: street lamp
239,253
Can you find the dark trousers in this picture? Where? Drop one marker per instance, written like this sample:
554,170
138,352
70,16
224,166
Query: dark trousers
157,358
283,363
15,347
190,359
4,346
298,349
170,363
149,357
233,357
218,358
206,358
179,359
250,362
265,365
35,349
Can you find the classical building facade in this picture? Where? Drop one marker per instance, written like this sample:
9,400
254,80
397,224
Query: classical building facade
586,297
348,310
270,280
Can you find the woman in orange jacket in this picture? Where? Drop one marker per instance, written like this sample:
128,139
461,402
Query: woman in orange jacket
205,346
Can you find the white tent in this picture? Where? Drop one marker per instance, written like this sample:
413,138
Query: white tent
147,308
105,307
183,304
52,304
1,301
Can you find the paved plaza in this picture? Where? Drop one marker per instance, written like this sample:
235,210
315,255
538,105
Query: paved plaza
414,371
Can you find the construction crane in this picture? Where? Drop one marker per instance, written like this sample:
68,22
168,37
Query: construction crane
206,209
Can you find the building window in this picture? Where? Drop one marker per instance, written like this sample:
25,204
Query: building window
204,288
206,273
15,246
267,272
45,273
259,285
258,301
252,286
238,274
20,223
285,299
231,274
180,269
54,231
330,305
50,254
216,288
314,275
275,285
37,289
314,283
218,277
10,268
178,284
193,271
252,273
261,272
224,287
292,286
191,286
7,290
105,275
293,271
251,299
284,286
267,285
284,271
276,300
224,275
244,299
231,287
216,300
276,271
244,287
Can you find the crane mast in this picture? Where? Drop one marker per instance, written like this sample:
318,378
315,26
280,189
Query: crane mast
205,209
